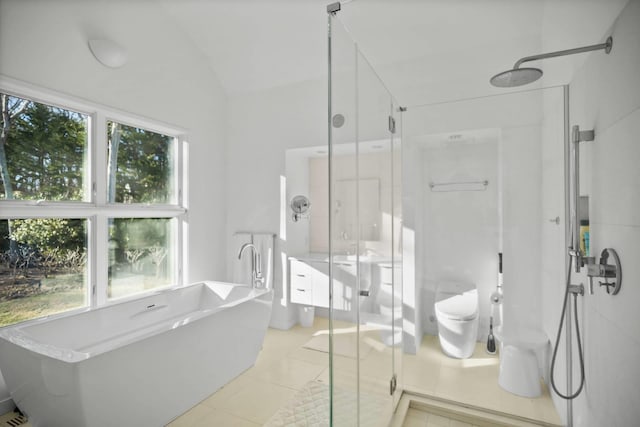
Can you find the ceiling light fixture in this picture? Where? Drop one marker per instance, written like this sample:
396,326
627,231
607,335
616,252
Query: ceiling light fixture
109,53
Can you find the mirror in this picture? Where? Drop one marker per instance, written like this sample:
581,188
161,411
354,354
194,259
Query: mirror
345,209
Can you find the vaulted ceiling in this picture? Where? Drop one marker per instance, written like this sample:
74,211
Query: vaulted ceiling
424,50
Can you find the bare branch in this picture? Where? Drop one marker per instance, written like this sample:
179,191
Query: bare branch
18,107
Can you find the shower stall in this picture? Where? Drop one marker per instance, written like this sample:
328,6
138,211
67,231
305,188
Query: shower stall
466,180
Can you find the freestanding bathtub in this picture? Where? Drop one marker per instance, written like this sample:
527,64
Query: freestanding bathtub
141,362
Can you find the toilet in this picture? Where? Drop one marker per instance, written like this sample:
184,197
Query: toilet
520,354
456,309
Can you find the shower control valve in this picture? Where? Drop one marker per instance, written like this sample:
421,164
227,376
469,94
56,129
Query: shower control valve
606,271
601,270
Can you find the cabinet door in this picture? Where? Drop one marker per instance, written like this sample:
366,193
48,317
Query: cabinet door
320,282
342,286
301,283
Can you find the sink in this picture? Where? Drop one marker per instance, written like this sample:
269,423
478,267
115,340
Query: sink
343,258
363,258
347,258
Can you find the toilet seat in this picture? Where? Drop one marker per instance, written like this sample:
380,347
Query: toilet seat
458,307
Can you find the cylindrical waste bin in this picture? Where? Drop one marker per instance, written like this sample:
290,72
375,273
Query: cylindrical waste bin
306,314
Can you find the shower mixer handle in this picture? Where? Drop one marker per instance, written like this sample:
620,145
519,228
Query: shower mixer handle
601,270
606,271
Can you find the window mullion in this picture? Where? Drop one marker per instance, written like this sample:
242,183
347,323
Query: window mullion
100,243
101,259
183,201
99,149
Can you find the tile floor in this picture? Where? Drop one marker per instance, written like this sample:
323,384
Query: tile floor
417,418
472,381
284,367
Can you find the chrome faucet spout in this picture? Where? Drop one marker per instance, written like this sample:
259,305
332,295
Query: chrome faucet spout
245,246
256,264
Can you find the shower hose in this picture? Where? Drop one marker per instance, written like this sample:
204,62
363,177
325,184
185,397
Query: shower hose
555,348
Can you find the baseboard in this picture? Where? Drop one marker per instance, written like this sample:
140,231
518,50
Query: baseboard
6,405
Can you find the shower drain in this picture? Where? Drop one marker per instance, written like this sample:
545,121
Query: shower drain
18,420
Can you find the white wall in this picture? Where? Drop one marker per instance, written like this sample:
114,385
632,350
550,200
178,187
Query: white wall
460,240
605,96
262,126
166,79
517,118
45,43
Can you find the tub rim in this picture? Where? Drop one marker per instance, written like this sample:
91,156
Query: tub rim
16,334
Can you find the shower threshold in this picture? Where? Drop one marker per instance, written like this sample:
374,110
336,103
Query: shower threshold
417,407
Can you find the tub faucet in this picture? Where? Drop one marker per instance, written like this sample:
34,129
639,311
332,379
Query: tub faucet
256,265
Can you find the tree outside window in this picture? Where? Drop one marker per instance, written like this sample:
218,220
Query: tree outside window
47,209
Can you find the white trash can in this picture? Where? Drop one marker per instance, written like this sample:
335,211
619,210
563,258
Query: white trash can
306,314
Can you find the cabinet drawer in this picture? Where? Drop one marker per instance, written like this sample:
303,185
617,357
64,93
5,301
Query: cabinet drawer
299,270
301,295
300,283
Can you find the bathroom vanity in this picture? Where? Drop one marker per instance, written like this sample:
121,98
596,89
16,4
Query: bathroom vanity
309,283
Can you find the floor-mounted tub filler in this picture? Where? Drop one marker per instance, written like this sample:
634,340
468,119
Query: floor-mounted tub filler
142,362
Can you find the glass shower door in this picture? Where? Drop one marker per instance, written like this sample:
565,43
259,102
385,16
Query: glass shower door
364,202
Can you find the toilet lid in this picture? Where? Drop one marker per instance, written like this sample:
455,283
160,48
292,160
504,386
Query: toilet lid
459,306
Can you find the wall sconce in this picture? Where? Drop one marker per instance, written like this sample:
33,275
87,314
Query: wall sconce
108,53
300,206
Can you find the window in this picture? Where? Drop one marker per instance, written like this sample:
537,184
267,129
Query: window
140,165
140,256
90,204
44,267
42,151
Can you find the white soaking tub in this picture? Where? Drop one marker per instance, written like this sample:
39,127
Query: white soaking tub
141,362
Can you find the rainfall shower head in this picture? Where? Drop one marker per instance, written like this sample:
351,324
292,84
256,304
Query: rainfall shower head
516,77
522,76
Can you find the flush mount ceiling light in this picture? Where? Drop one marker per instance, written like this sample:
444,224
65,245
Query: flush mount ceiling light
110,54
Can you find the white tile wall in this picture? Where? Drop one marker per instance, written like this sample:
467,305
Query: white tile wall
622,310
605,96
612,390
522,214
518,117
461,238
616,172
552,271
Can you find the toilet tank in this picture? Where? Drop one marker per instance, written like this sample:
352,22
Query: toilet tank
447,288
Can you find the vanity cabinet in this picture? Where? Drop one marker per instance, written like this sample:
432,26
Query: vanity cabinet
309,281
301,283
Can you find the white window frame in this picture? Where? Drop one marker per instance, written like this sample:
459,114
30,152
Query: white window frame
97,210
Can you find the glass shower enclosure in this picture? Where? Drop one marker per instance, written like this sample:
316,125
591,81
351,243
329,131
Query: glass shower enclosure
365,269
481,177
